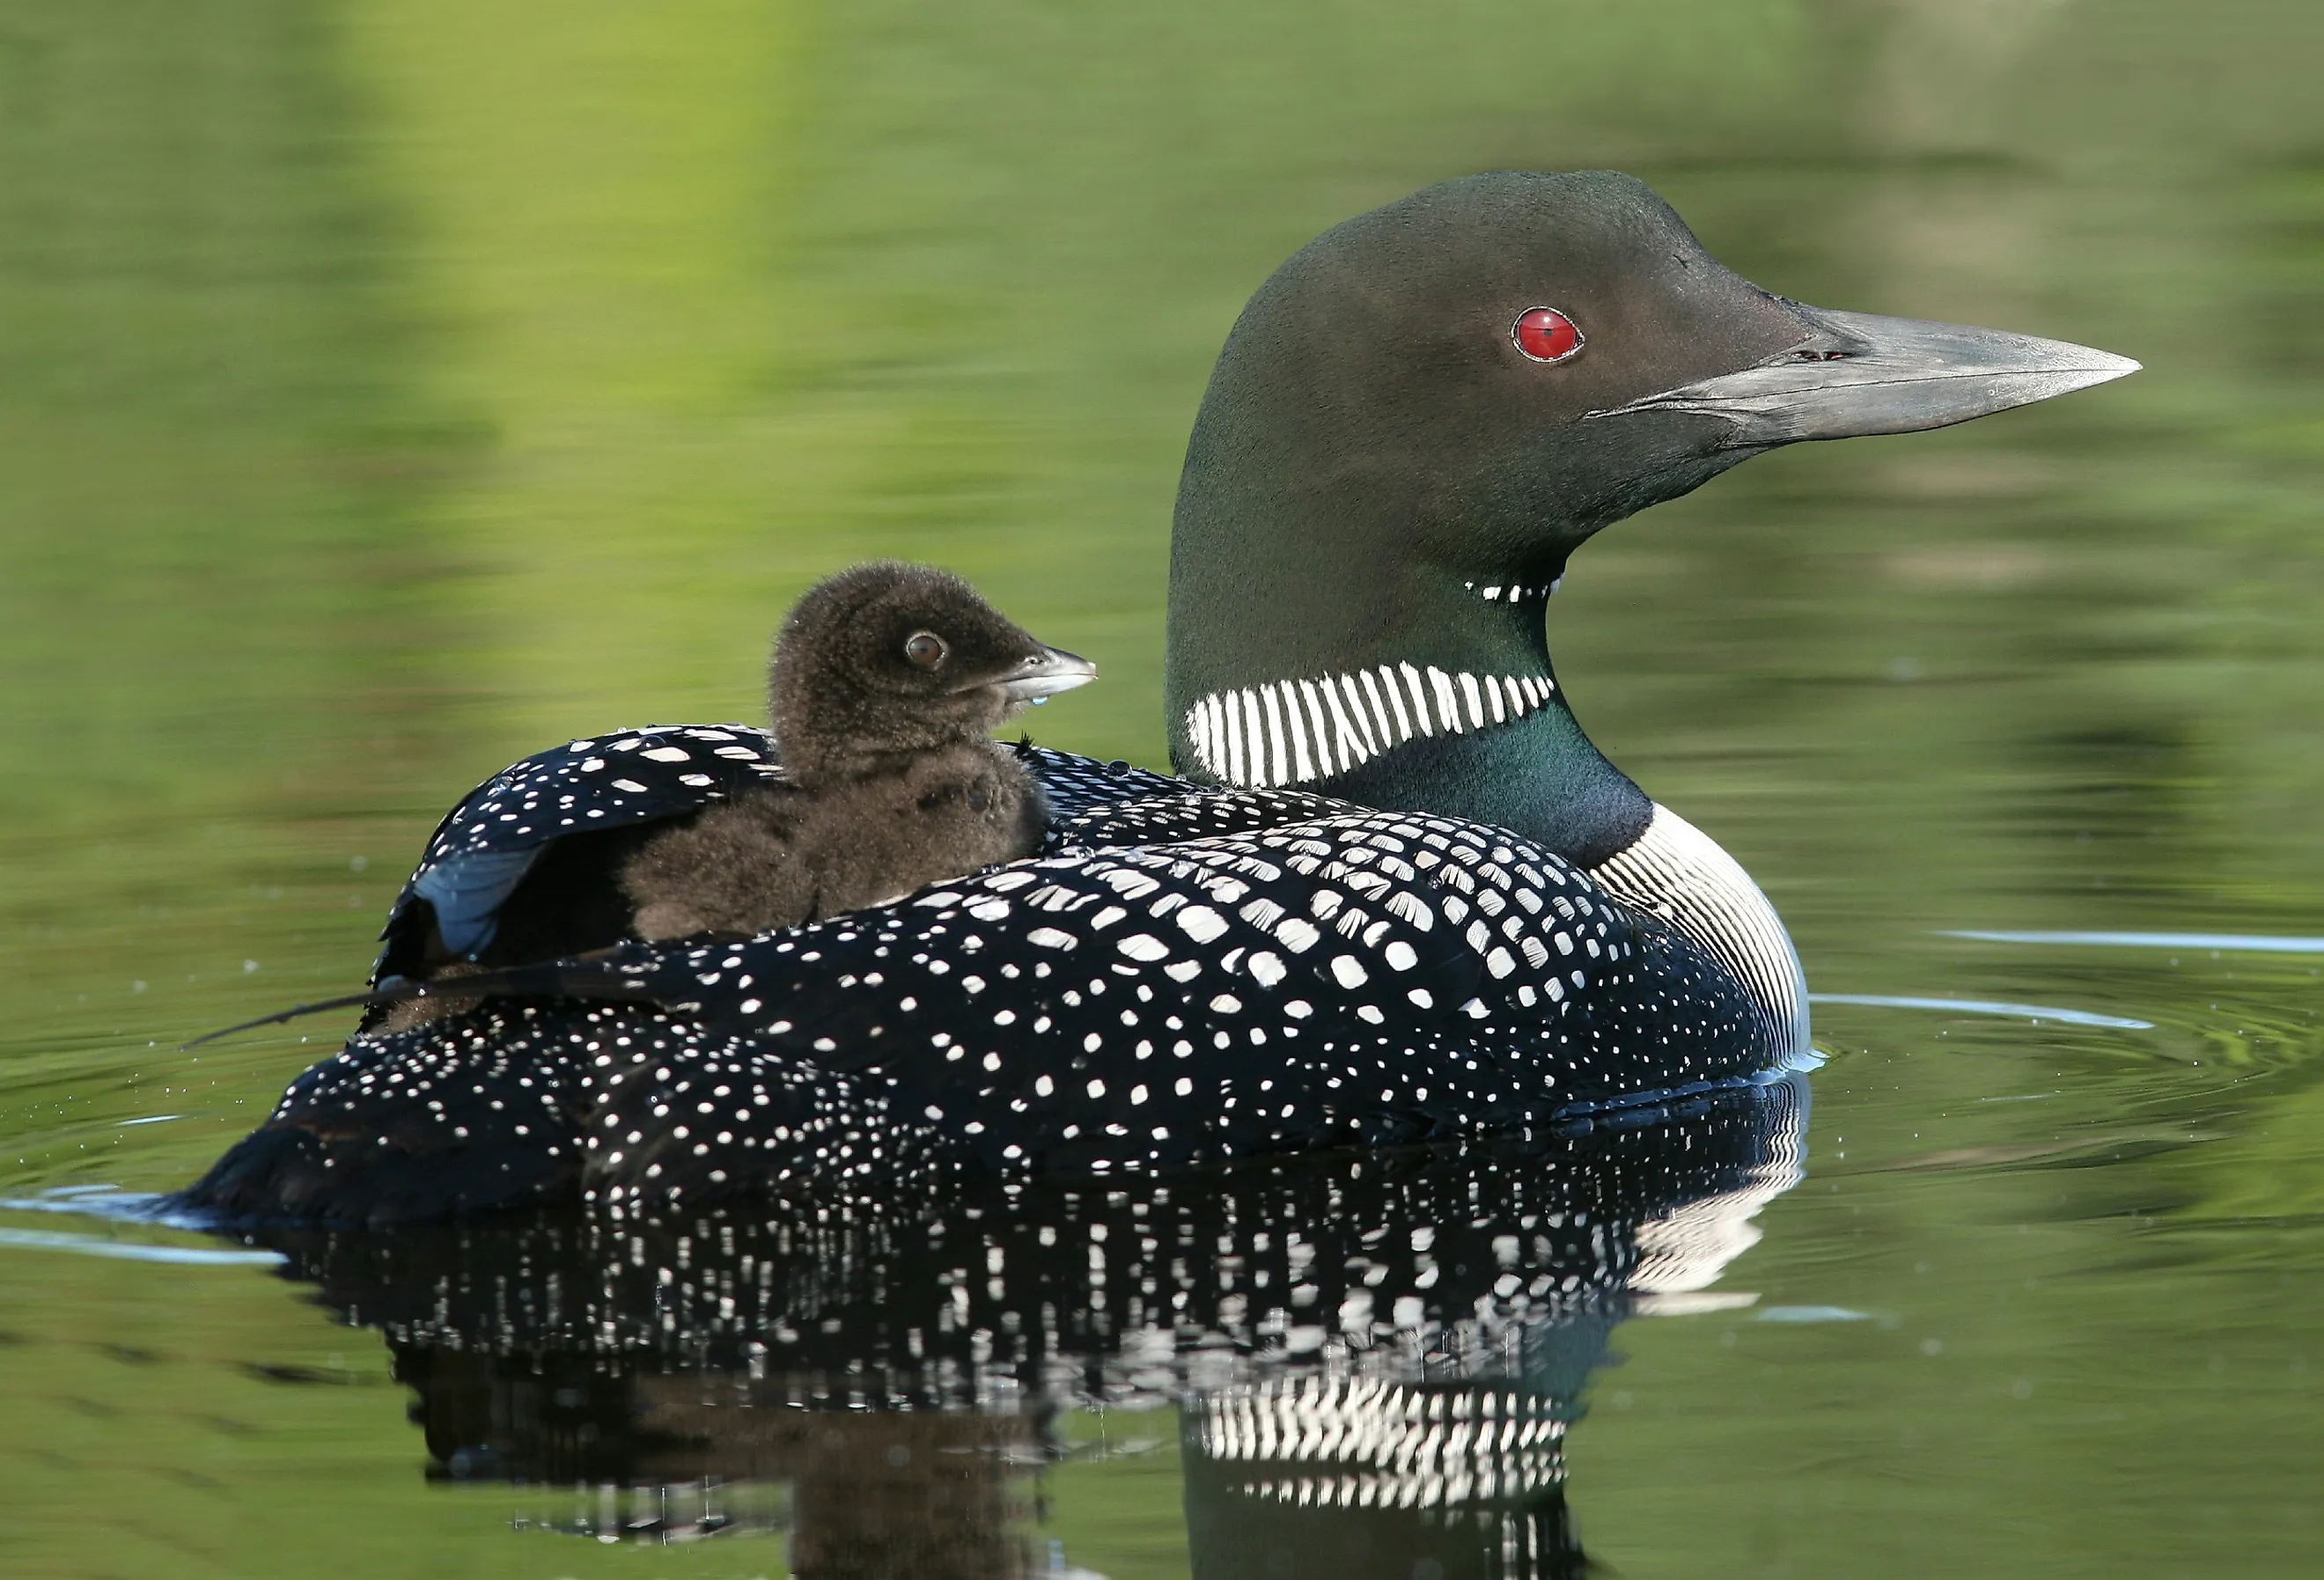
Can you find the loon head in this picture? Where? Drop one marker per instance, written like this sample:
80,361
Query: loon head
1421,415
888,659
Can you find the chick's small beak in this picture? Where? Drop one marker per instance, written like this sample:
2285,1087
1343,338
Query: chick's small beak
1045,674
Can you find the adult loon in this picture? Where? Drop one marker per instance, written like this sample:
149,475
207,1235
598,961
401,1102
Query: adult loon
1400,894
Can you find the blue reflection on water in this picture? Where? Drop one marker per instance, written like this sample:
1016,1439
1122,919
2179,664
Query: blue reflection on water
2244,943
128,1250
1985,1007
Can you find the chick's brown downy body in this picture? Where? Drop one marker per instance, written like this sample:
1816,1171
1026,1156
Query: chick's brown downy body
886,681
779,857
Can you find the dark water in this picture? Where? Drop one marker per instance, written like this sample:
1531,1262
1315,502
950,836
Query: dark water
387,391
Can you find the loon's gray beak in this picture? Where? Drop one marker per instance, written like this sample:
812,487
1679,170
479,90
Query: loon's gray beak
1045,674
1860,374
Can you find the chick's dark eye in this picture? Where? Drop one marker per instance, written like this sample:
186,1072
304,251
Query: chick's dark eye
1546,335
924,648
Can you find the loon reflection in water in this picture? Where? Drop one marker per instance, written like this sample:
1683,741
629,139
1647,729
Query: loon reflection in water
1375,1360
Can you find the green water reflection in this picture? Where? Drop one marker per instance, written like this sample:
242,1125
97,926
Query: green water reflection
389,389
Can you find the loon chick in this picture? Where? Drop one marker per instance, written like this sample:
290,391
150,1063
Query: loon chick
1478,923
538,862
886,682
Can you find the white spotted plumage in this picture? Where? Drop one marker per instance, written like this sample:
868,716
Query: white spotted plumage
484,847
1182,976
1510,593
563,790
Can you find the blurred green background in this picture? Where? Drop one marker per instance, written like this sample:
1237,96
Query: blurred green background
389,388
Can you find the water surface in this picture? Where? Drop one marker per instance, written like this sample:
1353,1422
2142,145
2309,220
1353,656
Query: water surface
394,388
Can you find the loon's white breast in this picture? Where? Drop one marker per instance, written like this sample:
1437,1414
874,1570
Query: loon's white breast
1676,872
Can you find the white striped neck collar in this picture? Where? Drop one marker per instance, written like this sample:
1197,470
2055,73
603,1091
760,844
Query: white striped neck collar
1290,732
1511,592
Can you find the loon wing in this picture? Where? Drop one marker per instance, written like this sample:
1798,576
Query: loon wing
566,818
552,813
1153,993
466,893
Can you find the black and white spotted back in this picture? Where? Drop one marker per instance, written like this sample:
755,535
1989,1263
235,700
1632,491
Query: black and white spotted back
1172,996
487,845
1181,978
621,783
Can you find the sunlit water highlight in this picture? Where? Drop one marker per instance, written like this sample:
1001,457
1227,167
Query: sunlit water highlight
129,1250
393,391
2225,942
1980,1007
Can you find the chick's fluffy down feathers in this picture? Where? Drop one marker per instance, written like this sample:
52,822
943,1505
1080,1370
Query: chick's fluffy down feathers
782,856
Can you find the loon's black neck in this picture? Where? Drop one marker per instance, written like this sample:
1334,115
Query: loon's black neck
1538,776
1448,704
1451,393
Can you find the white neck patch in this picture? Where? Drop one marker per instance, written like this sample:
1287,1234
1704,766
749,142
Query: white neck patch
1287,732
1499,592
1678,872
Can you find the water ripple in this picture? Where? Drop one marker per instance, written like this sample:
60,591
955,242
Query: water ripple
1985,1007
2242,943
130,1250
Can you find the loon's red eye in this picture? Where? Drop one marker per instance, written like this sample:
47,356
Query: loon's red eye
1545,335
